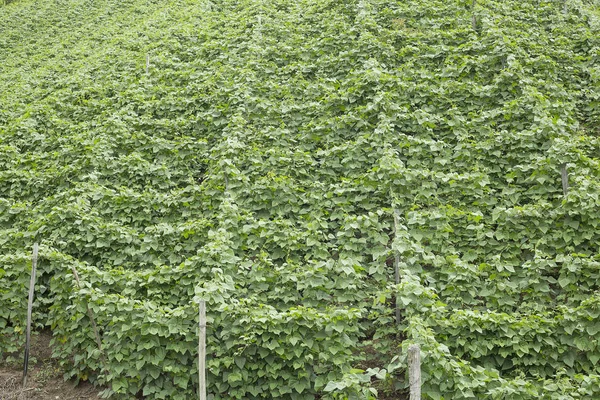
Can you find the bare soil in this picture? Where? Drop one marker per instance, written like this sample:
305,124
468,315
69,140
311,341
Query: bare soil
44,379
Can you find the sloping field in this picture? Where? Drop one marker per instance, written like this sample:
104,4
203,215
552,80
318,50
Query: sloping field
275,158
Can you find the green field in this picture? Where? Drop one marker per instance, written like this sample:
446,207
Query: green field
276,158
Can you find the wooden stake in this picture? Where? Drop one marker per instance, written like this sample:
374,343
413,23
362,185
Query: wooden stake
565,178
29,311
202,351
414,371
396,262
147,62
473,17
90,314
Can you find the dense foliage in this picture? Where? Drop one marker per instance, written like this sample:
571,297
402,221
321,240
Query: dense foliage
258,164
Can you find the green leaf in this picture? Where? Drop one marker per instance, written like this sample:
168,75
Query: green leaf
240,362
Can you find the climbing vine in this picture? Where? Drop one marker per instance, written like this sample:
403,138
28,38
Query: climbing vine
253,153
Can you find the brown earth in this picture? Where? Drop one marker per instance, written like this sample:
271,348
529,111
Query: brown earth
44,379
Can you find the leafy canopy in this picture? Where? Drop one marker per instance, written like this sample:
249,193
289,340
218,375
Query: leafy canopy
257,163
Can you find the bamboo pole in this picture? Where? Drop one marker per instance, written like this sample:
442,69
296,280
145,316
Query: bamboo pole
202,351
29,311
414,371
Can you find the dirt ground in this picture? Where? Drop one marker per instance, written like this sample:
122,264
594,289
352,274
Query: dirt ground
44,379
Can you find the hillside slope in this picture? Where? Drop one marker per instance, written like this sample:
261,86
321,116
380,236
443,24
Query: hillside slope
275,158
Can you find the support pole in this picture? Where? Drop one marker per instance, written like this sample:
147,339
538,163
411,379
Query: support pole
29,311
90,314
564,174
202,351
414,371
473,17
396,263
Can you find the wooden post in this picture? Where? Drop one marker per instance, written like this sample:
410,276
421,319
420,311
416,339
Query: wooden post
565,178
414,371
259,30
396,262
147,62
202,351
90,314
473,17
29,311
